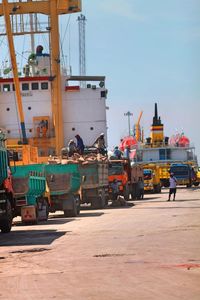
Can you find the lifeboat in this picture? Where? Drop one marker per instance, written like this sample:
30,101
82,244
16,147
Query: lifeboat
127,141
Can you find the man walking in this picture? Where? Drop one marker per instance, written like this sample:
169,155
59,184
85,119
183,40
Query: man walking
172,186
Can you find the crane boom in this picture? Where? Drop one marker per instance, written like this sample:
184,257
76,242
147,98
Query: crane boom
52,8
137,128
14,69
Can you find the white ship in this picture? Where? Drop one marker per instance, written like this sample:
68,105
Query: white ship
54,106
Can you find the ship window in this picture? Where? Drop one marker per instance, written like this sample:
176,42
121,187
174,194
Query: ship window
7,108
8,131
6,87
164,154
73,129
25,86
29,108
35,86
91,128
30,130
44,85
103,94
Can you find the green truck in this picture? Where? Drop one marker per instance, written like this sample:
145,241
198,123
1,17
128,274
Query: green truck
94,188
29,190
7,202
64,186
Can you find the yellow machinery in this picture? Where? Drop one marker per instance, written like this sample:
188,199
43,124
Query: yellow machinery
152,178
52,8
157,133
164,174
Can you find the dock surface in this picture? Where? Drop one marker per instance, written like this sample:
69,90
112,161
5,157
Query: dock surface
150,250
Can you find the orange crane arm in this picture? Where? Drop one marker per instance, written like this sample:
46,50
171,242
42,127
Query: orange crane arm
14,69
53,8
137,128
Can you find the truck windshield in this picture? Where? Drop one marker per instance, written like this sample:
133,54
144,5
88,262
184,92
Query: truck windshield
115,169
179,170
147,174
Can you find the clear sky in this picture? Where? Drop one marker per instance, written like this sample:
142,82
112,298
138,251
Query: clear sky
149,51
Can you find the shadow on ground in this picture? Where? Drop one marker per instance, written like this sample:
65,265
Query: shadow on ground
30,237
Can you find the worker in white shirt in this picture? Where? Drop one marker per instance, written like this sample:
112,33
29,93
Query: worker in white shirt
172,186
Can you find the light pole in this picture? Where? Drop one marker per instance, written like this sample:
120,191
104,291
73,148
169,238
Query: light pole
129,114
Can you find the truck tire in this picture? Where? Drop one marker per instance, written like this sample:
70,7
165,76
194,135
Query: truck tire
99,202
126,192
75,209
6,222
196,183
157,189
133,192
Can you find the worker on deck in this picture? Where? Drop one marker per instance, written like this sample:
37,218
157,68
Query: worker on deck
127,152
100,144
80,145
117,153
71,148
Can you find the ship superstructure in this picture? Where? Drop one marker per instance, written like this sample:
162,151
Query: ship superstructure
55,106
157,148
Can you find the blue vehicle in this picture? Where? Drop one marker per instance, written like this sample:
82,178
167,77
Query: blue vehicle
184,174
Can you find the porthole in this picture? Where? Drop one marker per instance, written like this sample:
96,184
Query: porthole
91,128
73,129
29,108
25,86
6,87
35,86
30,130
8,131
44,85
7,108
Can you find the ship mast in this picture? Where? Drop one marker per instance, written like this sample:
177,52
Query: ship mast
52,8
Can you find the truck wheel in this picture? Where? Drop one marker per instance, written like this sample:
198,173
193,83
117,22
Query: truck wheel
43,209
196,183
78,204
46,204
99,202
126,192
72,212
6,222
157,188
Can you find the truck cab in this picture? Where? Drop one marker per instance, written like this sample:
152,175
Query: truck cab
183,173
152,179
118,174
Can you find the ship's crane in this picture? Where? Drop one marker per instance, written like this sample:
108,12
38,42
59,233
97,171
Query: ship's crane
137,128
52,8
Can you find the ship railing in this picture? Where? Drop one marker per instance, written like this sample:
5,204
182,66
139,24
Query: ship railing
162,146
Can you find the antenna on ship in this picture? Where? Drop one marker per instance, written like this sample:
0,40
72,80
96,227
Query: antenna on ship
82,60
